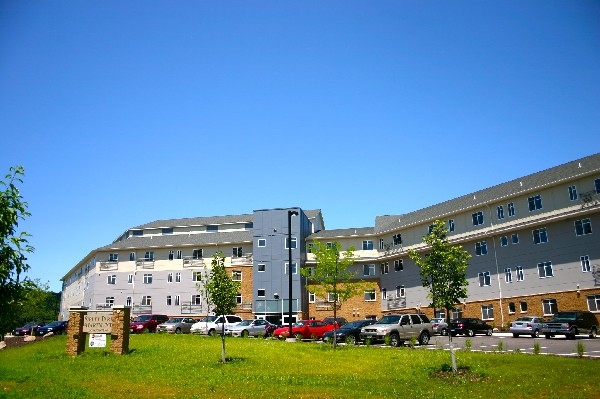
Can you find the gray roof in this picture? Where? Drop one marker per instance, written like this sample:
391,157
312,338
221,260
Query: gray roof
181,240
198,221
359,232
546,178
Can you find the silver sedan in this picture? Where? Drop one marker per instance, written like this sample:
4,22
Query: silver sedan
246,328
526,325
176,325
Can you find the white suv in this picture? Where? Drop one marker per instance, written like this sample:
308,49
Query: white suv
212,326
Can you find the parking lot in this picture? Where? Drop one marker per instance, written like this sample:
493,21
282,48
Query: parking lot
559,346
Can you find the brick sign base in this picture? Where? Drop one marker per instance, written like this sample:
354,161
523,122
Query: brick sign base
119,330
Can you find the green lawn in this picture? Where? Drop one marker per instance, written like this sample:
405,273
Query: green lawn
188,366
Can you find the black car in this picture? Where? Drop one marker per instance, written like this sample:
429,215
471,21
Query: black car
55,327
349,332
29,328
470,326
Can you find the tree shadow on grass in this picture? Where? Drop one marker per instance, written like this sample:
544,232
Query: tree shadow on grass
461,375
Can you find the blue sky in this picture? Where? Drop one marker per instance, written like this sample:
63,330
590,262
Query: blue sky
124,113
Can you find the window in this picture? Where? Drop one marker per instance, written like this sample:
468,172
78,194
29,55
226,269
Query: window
585,263
260,292
477,218
429,229
400,291
480,248
111,279
457,313
500,211
550,306
368,270
146,300
381,246
109,301
130,279
515,238
149,255
487,312
128,301
294,243
545,269
309,247
294,268
593,302
370,295
212,228
113,257
329,244
177,300
197,276
169,277
178,277
311,297
261,267
484,279
137,233
331,297
535,203
451,225
197,254
523,306
540,236
511,308
573,193
384,294
237,252
507,275
583,227
397,239
511,209
519,273
262,242
597,186
398,265
236,275
132,256
367,245
171,255
196,300
249,226
385,268
147,278
504,241
168,300
167,231
179,254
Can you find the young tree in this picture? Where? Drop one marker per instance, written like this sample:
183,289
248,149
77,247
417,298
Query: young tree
13,247
443,271
331,275
221,292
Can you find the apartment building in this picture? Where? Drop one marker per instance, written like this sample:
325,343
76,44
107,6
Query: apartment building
532,243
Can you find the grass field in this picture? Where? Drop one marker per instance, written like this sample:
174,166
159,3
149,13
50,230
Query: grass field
188,366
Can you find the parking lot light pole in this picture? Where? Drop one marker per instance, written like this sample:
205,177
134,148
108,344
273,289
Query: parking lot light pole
290,214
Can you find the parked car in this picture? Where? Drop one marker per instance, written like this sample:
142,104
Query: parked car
349,332
176,325
251,328
212,326
55,327
440,326
29,328
305,329
470,326
399,328
571,323
147,323
526,325
340,320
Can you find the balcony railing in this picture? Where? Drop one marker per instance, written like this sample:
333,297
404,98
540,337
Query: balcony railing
141,309
101,306
190,308
109,265
246,259
395,303
145,263
589,198
190,261
244,306
327,305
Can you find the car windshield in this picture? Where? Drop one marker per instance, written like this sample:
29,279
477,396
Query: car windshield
143,318
53,324
353,324
175,320
30,324
564,316
209,318
524,319
390,319
244,323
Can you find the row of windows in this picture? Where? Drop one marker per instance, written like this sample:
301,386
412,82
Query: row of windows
169,230
236,275
236,252
369,269
171,300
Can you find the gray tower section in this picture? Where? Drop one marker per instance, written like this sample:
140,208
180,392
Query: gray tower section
270,263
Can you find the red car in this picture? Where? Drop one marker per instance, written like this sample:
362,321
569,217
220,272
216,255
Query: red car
305,329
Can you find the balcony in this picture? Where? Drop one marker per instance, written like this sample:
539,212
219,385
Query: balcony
246,259
109,265
395,303
190,261
589,198
244,306
141,309
191,308
104,306
145,263
327,305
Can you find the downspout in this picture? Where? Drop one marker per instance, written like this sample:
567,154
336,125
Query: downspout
497,268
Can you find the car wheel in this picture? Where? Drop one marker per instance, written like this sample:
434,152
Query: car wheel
536,333
489,332
593,332
245,334
515,335
211,333
572,334
470,333
145,330
394,340
351,339
298,336
178,330
424,338
444,331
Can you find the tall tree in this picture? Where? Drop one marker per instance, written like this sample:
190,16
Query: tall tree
222,291
37,302
443,271
13,247
332,276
